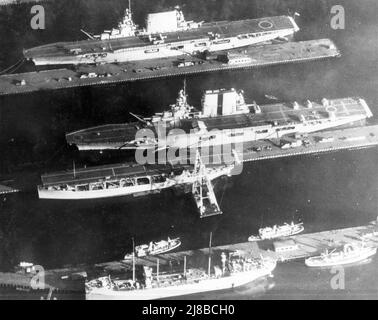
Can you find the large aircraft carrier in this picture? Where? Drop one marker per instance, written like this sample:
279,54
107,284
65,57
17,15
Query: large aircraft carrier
223,118
167,34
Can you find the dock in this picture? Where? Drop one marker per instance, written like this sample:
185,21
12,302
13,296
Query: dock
317,143
107,74
69,282
354,138
302,246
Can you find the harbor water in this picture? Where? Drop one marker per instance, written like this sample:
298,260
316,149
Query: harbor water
324,191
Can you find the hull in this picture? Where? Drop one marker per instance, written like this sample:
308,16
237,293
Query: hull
311,262
208,285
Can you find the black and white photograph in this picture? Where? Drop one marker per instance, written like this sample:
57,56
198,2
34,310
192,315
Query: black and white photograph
172,151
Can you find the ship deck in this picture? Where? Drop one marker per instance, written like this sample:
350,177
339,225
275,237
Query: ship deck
94,174
284,114
223,28
260,56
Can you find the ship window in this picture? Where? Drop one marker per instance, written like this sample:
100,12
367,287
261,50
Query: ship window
222,41
142,181
262,131
151,51
82,188
236,134
202,44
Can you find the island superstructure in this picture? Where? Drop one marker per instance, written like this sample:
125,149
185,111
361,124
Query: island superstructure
225,118
167,34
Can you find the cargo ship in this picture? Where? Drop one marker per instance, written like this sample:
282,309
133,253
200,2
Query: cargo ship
236,271
167,34
225,118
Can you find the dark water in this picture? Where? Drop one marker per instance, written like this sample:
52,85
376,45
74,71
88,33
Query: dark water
327,191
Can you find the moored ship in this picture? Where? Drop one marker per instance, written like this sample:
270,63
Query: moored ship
167,34
351,253
137,180
274,232
235,271
154,248
225,118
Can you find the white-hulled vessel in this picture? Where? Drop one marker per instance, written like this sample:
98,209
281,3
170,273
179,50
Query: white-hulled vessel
351,253
274,232
154,248
136,180
236,272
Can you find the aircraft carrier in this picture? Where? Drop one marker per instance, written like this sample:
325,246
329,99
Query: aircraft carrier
223,118
167,34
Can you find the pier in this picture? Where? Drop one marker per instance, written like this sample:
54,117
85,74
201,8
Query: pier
106,74
354,138
283,250
69,282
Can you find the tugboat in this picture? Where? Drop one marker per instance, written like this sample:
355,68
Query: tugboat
154,248
235,271
351,253
274,232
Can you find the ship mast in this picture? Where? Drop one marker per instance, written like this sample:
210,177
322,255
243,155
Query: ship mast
133,259
209,265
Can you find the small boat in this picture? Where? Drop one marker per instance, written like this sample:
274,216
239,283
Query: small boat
154,248
351,253
274,232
